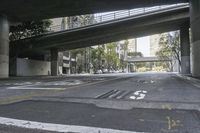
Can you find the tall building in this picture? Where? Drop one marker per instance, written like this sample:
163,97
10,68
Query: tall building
154,44
132,46
68,64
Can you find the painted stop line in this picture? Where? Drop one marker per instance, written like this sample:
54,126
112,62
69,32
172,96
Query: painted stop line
139,95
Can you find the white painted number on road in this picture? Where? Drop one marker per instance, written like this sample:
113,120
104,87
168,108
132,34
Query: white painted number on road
139,95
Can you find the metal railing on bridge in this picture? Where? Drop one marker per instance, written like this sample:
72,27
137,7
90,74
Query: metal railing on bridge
104,17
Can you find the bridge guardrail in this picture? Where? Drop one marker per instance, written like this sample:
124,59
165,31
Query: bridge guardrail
99,18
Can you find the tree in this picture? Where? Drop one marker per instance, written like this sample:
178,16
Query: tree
135,54
124,63
174,42
74,22
111,56
77,54
97,56
29,29
169,48
86,20
78,21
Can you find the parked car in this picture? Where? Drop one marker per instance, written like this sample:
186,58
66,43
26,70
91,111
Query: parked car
105,70
99,72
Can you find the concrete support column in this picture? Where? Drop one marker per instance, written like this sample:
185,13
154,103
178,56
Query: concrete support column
54,62
4,47
185,50
195,30
70,64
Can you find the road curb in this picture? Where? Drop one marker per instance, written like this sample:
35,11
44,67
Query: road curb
126,104
193,81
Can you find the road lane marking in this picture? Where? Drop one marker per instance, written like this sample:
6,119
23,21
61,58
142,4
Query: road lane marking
57,127
26,97
44,86
124,94
104,95
33,88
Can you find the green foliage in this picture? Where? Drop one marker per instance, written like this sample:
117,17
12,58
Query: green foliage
142,69
169,48
75,52
111,56
29,29
78,55
86,19
102,57
97,56
135,54
124,63
78,21
125,45
139,66
105,57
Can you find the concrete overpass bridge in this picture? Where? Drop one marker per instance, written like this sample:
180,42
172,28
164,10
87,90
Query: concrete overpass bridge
146,59
20,10
169,19
17,11
130,27
134,60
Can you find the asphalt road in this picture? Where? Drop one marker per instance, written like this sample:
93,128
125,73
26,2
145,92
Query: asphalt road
146,102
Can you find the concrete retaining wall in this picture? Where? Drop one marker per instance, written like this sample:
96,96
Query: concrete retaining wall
32,67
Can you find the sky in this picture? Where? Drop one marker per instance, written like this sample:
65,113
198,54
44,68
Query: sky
143,45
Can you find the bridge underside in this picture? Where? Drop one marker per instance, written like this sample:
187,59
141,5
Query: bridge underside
20,10
117,30
12,12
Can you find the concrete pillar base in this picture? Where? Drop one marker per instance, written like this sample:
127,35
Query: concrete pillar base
4,66
54,62
4,47
185,65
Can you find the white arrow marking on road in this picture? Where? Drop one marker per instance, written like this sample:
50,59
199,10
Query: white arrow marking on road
57,127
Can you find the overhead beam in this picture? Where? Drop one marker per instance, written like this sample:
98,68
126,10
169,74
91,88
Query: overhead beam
109,32
21,10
